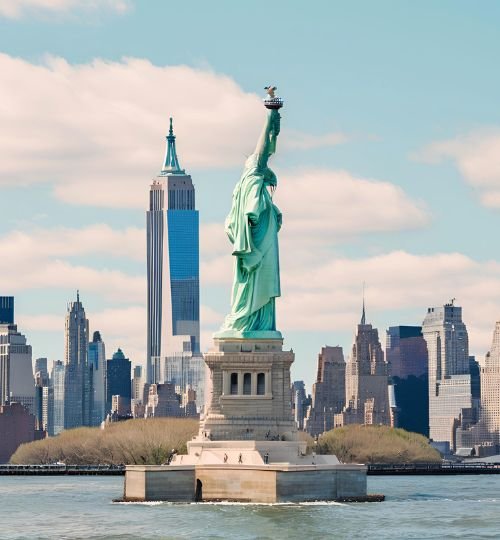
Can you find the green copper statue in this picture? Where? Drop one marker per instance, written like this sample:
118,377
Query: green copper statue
252,227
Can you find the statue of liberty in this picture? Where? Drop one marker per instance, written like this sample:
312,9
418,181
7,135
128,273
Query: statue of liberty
252,227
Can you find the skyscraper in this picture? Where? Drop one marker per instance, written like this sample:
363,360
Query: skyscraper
172,267
367,382
299,403
490,389
406,356
97,368
328,393
406,351
118,380
449,378
76,374
41,367
56,399
6,310
16,369
137,385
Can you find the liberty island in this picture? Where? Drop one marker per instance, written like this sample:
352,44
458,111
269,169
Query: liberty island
248,447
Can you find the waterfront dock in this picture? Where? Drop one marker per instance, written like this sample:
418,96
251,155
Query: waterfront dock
381,469
374,469
61,470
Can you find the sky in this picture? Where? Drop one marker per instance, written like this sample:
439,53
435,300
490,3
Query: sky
388,160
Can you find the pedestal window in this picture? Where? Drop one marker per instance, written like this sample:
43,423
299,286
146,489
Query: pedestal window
247,384
261,384
234,384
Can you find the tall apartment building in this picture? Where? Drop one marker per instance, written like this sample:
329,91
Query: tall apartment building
407,359
118,381
41,384
76,374
299,403
17,426
6,310
449,377
97,368
137,384
16,369
41,367
173,328
185,371
490,389
328,392
406,352
367,382
55,420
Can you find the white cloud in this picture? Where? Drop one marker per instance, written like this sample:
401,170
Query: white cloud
97,131
320,208
111,285
23,246
477,157
119,327
38,260
325,202
321,291
327,296
16,9
41,322
124,328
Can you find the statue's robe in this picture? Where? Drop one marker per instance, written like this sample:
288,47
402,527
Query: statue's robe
252,227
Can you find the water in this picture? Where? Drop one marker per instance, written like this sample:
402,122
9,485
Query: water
416,507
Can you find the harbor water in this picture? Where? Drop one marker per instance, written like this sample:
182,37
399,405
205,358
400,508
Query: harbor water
415,507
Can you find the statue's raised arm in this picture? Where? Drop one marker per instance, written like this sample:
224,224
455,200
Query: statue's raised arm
252,227
266,145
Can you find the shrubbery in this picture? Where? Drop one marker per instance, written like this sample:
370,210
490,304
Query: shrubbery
376,444
150,442
147,441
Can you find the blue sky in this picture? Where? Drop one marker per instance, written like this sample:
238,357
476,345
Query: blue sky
388,162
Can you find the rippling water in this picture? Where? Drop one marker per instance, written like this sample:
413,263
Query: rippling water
416,507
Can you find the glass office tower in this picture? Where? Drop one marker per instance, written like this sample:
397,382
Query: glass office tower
173,267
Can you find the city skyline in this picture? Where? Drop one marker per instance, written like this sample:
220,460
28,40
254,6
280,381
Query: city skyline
387,163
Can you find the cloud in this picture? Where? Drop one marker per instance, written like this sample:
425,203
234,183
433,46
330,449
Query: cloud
325,296
320,208
124,328
321,290
477,157
111,285
41,322
329,202
15,9
23,246
39,260
119,327
97,131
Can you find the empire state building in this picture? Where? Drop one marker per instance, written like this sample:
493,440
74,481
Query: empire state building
173,275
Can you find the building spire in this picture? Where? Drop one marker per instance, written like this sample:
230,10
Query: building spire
77,295
171,163
363,314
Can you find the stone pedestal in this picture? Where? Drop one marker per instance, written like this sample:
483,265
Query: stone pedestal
250,395
247,449
247,471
